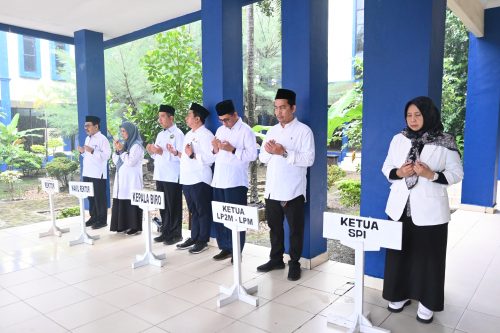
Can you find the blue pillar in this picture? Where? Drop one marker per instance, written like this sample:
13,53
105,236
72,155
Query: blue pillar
5,105
221,56
403,58
304,56
90,88
481,138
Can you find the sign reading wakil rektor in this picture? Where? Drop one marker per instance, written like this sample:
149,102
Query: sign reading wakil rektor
245,217
81,189
360,233
147,201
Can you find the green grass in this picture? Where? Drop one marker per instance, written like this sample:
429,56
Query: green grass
26,184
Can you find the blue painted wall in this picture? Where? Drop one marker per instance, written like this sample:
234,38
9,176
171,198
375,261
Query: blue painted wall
481,148
403,54
305,70
221,56
4,80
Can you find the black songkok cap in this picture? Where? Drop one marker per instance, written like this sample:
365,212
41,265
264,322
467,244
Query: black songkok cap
166,108
225,107
200,110
93,119
286,94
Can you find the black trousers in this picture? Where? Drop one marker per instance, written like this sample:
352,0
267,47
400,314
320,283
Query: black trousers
171,216
199,201
418,270
98,206
293,210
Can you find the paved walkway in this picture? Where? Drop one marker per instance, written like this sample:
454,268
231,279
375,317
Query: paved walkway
47,286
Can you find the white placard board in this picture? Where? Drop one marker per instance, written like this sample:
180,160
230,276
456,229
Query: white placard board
245,217
50,185
81,189
148,199
374,233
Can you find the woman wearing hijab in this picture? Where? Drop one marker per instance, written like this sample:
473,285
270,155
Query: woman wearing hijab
128,158
422,161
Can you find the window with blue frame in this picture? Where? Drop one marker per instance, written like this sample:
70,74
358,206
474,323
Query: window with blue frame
29,57
57,63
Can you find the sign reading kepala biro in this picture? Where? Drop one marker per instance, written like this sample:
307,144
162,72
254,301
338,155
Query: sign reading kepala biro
231,214
150,199
374,233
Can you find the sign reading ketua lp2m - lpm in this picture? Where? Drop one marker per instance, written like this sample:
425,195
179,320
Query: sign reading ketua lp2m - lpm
245,217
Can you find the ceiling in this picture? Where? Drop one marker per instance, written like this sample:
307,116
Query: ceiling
118,18
111,17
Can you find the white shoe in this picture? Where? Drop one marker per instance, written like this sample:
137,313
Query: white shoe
424,315
398,306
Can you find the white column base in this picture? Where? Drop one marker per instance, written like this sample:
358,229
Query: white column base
149,258
53,231
84,238
356,323
235,293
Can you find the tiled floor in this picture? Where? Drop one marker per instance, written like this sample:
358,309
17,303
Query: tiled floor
47,286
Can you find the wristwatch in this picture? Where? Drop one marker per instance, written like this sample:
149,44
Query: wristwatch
285,154
435,177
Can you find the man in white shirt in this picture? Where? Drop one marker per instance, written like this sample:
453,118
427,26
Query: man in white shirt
196,176
234,147
166,174
288,150
96,152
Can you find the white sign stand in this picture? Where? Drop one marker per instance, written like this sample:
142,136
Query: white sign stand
147,201
51,186
237,218
82,190
361,234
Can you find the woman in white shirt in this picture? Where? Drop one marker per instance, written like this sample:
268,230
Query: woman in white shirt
422,161
128,158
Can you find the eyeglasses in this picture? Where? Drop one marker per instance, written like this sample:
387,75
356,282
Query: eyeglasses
88,125
225,120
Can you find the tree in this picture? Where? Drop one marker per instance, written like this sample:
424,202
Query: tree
174,70
454,76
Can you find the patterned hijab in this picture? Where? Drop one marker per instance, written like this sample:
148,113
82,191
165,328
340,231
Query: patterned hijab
133,138
431,133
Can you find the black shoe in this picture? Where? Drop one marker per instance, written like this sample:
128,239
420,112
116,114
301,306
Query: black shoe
172,241
224,254
186,245
99,226
133,232
198,248
270,265
294,272
425,321
159,239
89,223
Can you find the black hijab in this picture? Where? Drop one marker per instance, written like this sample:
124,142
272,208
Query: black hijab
431,133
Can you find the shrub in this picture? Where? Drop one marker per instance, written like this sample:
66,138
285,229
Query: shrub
334,174
60,154
350,192
62,168
10,177
27,162
38,149
69,212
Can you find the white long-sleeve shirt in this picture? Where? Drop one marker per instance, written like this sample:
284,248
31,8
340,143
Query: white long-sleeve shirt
129,177
95,164
231,170
197,170
286,177
166,164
